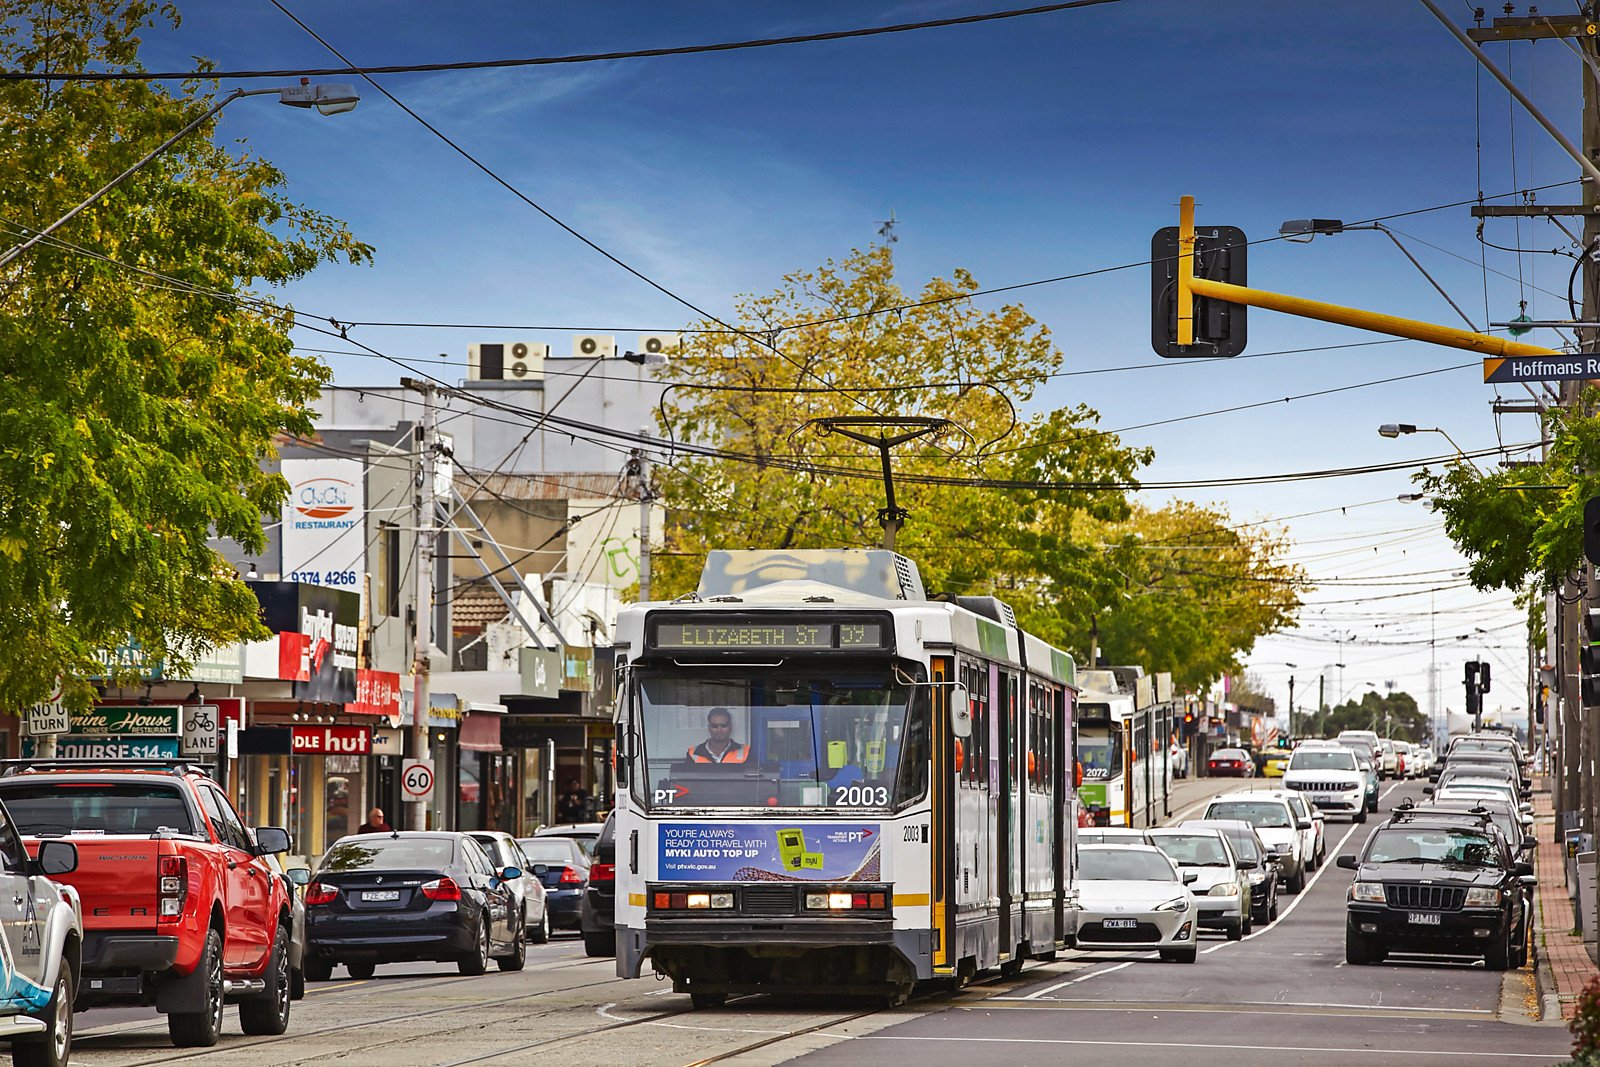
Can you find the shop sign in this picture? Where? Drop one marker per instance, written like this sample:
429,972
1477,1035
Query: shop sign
318,632
130,720
326,502
578,669
388,742
74,746
330,740
541,671
377,693
129,658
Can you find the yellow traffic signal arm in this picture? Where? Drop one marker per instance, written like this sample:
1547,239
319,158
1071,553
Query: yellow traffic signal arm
1190,287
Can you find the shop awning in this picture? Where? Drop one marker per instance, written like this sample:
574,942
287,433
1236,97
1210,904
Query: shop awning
480,727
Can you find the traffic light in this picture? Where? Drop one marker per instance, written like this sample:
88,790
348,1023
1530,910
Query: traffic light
1591,529
1589,659
1219,327
1474,694
1188,720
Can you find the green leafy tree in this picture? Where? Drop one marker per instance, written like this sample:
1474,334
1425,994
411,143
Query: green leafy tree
1396,713
1069,561
135,408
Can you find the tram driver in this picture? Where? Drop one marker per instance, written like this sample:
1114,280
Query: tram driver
719,746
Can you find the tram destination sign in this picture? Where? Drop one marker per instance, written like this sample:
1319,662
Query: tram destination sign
780,635
1580,367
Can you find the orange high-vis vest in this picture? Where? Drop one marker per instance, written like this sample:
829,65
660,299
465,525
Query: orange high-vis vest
702,753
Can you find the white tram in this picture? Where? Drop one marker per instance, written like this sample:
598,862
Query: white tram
830,783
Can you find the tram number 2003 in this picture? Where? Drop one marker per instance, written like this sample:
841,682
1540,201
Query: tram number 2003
861,796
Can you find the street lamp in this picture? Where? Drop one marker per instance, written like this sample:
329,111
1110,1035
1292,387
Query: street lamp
1302,231
646,359
328,99
1395,429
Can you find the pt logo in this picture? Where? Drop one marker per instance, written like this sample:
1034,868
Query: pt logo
671,794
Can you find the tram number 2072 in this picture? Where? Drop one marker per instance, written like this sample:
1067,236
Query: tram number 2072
861,796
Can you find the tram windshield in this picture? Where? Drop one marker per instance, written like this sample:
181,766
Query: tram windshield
853,739
1100,752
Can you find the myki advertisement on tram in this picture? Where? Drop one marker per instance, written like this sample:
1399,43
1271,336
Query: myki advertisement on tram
834,852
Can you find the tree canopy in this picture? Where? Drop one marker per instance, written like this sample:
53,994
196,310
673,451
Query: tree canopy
141,382
1390,715
1033,508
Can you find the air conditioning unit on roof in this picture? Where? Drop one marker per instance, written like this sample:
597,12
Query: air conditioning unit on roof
509,361
593,346
651,343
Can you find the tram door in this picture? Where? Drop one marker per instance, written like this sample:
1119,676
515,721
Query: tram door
1062,777
1005,783
943,781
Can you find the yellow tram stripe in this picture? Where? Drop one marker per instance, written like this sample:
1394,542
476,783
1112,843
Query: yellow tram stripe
635,900
910,900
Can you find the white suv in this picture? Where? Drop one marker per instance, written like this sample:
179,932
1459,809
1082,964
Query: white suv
1277,825
1326,774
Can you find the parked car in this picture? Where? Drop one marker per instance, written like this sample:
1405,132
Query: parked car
407,896
1254,858
1221,887
599,908
562,866
585,833
1275,761
43,937
1426,883
1327,775
180,906
1231,763
297,924
531,914
1131,897
1278,826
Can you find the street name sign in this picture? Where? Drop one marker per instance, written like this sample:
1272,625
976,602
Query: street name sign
1574,368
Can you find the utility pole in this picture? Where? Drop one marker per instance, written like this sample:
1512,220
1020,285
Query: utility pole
426,509
1291,705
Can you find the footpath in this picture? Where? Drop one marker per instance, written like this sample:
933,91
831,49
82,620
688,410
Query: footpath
1563,965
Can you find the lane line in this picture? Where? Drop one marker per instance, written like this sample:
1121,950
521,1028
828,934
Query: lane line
1123,1043
1072,981
1241,1007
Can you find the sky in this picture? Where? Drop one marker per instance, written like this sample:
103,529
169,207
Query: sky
1019,150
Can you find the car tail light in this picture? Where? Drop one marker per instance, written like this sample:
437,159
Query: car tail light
570,876
441,889
174,888
603,872
317,893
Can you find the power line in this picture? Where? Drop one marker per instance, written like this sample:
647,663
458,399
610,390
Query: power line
541,61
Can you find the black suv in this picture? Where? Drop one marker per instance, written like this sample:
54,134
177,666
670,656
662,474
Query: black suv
1432,882
597,911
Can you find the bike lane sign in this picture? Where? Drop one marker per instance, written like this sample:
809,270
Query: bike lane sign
200,729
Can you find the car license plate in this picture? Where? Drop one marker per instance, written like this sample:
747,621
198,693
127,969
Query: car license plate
1323,798
1121,924
1425,918
381,894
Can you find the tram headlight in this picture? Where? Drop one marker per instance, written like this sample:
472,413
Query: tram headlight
846,901
699,900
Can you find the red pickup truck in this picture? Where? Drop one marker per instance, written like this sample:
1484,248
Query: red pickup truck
179,908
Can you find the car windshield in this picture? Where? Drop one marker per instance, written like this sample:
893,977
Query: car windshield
1230,753
42,809
389,853
1323,759
1192,850
854,739
548,849
1123,865
1258,813
1401,844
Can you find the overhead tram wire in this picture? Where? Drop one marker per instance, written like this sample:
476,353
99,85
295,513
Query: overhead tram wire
591,57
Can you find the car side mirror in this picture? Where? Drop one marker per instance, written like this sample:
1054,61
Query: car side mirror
298,875
1428,789
960,712
57,857
1190,877
1245,865
1348,863
1522,869
1304,824
540,869
1529,842
271,840
1527,880
509,873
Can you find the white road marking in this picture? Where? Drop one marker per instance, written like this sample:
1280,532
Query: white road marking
1122,1043
1071,981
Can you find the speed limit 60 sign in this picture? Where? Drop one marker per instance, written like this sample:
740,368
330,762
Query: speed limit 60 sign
416,779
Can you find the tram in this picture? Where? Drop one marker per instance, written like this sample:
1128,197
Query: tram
830,783
1125,724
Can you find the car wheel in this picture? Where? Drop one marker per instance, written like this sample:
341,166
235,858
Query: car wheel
1272,907
201,1029
53,1047
1360,816
361,969
1498,958
519,953
477,961
1519,952
268,1011
540,934
600,943
317,970
1249,921
1236,931
1296,882
1357,950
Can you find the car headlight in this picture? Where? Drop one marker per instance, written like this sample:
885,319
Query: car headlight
1175,904
1371,892
1483,897
1224,889
1257,877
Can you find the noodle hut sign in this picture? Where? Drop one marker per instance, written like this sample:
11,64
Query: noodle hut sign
134,721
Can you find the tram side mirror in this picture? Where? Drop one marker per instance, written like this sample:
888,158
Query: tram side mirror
960,712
